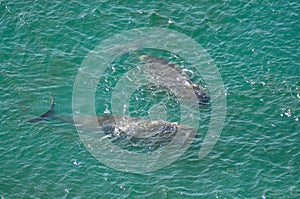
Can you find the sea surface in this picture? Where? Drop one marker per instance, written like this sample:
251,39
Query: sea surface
255,46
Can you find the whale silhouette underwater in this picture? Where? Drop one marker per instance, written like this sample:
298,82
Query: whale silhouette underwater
134,130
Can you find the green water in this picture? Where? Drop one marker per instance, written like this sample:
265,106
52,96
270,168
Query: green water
254,44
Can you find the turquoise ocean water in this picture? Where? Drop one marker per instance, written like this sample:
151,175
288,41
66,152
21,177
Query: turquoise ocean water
254,44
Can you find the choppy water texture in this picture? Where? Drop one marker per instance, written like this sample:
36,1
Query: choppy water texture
255,45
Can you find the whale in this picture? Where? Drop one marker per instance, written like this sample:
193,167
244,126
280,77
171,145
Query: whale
200,92
126,130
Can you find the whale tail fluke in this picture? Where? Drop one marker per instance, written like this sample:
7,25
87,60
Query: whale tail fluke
49,114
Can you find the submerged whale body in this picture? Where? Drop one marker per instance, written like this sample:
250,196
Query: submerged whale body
200,92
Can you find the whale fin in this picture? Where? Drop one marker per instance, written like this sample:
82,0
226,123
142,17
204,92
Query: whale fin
49,114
